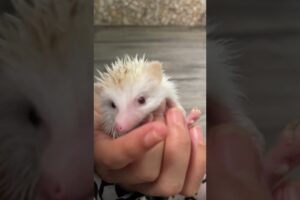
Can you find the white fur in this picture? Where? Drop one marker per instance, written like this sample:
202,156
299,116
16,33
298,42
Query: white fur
43,60
138,84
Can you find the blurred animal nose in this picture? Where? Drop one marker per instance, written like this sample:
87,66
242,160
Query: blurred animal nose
118,128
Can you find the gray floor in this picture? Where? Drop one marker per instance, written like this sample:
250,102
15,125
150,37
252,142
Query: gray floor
182,51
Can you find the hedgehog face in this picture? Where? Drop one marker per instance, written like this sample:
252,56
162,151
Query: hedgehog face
124,109
129,93
45,117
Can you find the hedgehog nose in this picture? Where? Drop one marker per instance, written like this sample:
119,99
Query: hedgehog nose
118,128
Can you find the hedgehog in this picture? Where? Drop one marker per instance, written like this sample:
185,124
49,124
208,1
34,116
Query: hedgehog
46,81
131,90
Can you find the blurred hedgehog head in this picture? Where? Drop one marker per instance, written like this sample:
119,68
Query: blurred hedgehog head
225,97
45,83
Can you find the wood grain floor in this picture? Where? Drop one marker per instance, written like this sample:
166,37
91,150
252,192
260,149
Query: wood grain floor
182,51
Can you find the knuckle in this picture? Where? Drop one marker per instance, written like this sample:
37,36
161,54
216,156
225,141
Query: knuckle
150,175
130,153
170,189
146,174
110,163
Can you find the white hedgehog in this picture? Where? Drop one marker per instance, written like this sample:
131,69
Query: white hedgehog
130,91
45,89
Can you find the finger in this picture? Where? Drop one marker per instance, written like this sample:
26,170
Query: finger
197,165
145,170
160,111
288,191
118,153
176,158
157,115
285,156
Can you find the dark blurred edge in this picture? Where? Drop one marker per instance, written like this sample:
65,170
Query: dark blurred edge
6,7
265,36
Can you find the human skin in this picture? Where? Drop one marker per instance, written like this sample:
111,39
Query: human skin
238,171
160,158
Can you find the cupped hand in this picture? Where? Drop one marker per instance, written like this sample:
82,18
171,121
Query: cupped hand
238,171
281,160
160,158
184,160
133,158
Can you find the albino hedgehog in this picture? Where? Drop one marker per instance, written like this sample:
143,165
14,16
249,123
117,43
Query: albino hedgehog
130,91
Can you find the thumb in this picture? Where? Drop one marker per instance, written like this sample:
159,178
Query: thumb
118,153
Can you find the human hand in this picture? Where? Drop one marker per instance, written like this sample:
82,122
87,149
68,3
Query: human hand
123,160
237,171
142,171
281,160
134,158
184,160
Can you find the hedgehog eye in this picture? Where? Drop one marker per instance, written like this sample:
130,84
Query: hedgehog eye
141,100
113,105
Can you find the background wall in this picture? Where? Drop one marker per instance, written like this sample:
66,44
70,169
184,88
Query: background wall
150,12
267,34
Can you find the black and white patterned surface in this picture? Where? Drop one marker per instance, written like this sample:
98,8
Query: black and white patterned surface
107,191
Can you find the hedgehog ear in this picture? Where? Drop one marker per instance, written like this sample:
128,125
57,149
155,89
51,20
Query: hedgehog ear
155,71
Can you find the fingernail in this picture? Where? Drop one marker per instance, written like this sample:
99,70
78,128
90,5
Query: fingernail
153,138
